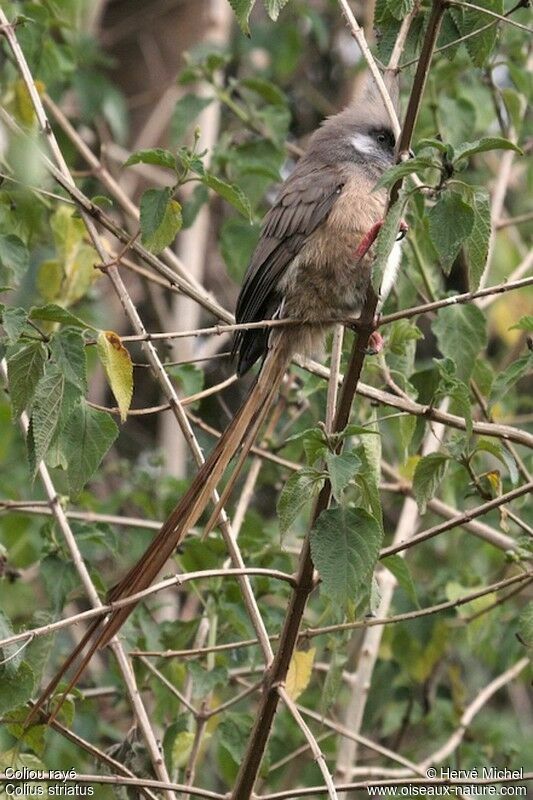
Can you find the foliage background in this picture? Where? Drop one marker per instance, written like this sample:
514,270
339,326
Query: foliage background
131,79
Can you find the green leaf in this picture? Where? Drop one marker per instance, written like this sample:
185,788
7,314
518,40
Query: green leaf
397,565
14,255
185,112
496,449
237,242
156,155
385,241
234,732
477,244
13,321
450,222
525,323
227,191
301,487
506,379
480,46
51,395
68,350
345,544
87,437
190,208
461,333
10,654
160,219
266,89
54,313
205,680
452,386
24,370
16,687
399,171
119,369
273,7
469,149
400,8
242,10
315,443
429,472
341,469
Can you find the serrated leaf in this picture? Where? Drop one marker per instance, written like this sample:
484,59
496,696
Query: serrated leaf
24,370
300,672
385,241
345,545
506,379
234,732
54,313
156,155
205,680
14,255
273,7
480,46
301,487
477,244
450,222
400,8
400,569
469,149
160,219
242,10
86,438
13,321
68,350
229,191
185,112
429,472
314,441
342,469
461,333
119,369
52,397
16,687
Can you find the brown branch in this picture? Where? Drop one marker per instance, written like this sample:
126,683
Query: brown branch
466,516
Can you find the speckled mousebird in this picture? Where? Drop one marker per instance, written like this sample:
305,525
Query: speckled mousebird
312,263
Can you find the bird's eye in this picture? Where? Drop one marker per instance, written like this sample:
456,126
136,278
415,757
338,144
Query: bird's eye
385,138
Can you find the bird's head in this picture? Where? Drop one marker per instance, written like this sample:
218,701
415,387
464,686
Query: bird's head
362,133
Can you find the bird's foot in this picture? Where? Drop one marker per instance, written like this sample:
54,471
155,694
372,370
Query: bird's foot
375,344
370,237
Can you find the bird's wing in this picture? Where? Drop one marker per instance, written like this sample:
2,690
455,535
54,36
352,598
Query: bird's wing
304,202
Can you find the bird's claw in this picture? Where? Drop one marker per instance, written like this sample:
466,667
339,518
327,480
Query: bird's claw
375,344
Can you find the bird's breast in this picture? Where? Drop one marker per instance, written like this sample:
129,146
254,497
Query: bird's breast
326,279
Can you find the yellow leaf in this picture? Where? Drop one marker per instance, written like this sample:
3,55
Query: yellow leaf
181,749
299,673
118,367
23,104
50,277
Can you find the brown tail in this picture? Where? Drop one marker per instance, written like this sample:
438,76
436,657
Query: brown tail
243,430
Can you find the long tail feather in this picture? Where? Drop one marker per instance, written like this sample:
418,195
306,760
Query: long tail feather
242,430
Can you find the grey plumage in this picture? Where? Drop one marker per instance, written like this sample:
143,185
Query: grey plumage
344,151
